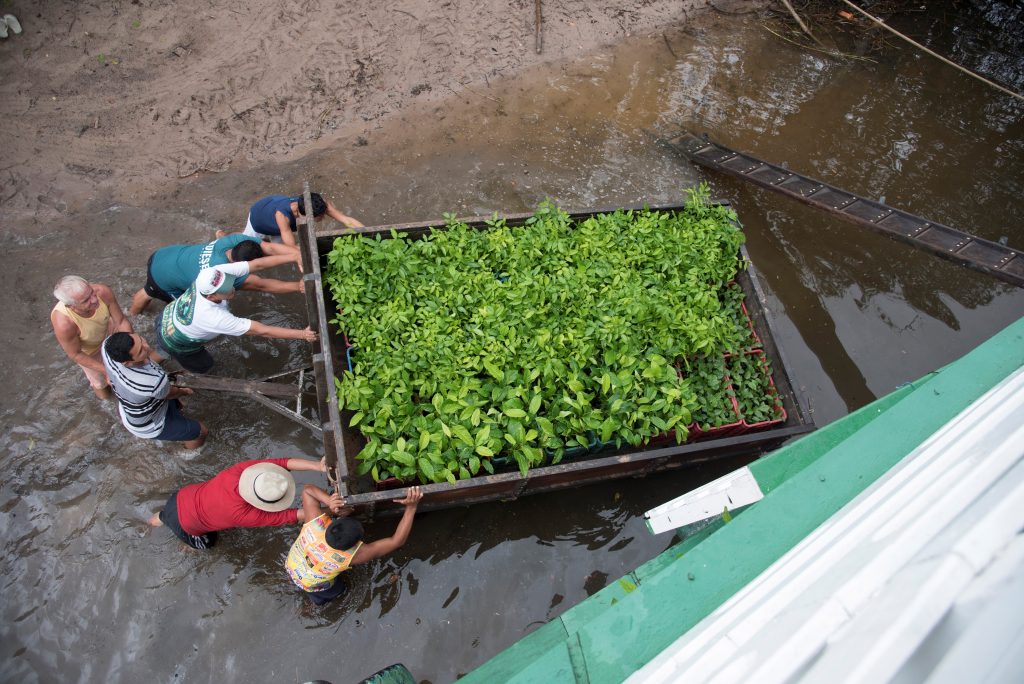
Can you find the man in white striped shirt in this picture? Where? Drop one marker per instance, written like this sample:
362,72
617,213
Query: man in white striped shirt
146,400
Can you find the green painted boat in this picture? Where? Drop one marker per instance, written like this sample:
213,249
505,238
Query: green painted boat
885,546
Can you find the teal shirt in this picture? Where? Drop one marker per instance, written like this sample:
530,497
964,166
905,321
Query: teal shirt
175,268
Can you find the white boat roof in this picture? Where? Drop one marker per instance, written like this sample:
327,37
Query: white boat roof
919,578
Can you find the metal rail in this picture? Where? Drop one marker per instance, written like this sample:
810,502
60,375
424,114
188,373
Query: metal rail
1000,261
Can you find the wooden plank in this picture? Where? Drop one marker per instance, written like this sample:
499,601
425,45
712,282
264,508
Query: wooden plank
511,485
274,406
767,175
323,369
904,224
800,185
943,238
742,164
828,196
1013,265
218,384
1000,261
869,211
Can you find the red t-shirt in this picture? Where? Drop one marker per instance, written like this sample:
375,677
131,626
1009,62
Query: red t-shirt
216,504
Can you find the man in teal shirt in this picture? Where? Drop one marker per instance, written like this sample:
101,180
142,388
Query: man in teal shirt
171,270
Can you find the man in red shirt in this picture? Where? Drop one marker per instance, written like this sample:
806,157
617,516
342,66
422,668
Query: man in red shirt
257,493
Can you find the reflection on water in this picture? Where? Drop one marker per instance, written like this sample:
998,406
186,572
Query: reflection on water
92,595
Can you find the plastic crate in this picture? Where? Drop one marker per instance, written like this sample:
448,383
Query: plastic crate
779,411
697,433
755,338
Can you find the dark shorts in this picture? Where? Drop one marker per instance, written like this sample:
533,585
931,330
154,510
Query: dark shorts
177,426
195,362
151,288
325,596
169,517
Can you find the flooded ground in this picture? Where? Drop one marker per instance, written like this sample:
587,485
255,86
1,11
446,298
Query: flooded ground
91,595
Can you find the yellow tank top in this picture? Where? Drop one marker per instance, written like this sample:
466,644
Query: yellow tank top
312,563
91,331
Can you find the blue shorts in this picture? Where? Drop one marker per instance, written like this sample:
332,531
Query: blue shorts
325,596
177,426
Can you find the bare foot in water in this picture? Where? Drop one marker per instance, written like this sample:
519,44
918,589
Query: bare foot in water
155,521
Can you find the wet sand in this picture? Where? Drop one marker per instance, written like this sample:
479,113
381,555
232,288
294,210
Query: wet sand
116,99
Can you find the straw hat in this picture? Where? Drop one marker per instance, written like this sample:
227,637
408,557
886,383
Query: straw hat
267,486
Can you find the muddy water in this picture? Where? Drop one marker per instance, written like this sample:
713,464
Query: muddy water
91,595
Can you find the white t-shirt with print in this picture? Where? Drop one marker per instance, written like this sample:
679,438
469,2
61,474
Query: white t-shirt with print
213,319
192,319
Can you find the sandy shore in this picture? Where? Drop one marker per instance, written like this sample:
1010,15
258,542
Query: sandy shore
112,101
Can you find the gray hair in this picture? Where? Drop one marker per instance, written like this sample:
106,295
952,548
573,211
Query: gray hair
68,287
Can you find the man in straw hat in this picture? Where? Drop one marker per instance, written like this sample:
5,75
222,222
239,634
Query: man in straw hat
201,315
326,548
256,493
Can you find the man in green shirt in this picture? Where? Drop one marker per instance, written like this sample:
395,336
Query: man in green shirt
171,270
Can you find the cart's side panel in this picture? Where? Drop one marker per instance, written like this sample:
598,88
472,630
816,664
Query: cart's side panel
510,486
757,305
323,366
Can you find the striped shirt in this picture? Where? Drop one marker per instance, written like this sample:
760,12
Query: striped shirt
141,393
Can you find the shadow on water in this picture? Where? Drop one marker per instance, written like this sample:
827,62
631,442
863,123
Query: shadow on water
92,595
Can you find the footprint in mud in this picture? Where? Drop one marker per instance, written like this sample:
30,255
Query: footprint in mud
180,117
55,204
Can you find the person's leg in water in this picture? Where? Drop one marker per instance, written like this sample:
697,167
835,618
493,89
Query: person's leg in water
168,517
325,596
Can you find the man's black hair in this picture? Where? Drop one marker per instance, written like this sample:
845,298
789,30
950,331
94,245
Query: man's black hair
319,206
343,533
119,346
246,250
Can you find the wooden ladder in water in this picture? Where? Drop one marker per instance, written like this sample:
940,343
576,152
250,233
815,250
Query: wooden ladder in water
998,260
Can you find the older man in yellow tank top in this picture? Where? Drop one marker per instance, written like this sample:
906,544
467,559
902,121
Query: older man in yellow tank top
85,314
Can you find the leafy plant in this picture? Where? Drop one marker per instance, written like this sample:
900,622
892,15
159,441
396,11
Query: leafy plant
709,380
755,394
733,307
520,343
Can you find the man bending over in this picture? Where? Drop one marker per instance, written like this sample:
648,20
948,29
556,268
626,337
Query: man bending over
326,548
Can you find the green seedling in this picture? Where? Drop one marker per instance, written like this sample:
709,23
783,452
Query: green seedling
514,346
